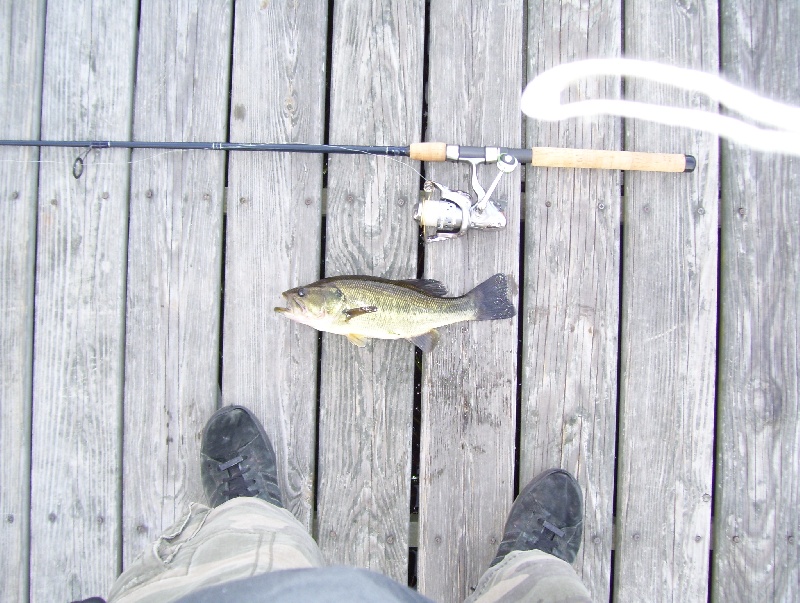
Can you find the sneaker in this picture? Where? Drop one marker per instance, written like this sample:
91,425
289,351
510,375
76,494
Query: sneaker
237,458
548,516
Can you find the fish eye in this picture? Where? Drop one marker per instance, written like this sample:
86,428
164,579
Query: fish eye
301,292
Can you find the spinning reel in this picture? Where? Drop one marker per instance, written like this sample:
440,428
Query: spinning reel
444,213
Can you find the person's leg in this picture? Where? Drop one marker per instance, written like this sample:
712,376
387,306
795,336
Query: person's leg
240,538
244,532
540,541
322,584
531,576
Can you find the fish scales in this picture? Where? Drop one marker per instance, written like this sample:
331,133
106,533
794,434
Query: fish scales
401,310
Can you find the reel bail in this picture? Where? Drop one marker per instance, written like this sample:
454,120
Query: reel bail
444,213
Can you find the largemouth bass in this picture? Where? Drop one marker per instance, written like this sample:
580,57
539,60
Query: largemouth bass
362,307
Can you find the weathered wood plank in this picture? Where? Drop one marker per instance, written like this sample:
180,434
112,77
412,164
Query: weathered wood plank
174,262
756,550
22,38
273,230
571,292
366,396
80,301
469,389
668,333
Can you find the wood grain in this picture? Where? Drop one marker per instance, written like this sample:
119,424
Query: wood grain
757,533
571,286
80,302
469,389
274,215
366,396
668,329
174,262
22,38
63,424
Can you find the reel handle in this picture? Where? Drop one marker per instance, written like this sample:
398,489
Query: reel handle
559,157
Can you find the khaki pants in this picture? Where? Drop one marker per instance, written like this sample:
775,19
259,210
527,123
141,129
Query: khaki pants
247,536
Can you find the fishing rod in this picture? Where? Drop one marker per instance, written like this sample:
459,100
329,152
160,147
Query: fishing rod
421,151
442,213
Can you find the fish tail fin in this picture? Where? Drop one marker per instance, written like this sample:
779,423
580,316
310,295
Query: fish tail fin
490,299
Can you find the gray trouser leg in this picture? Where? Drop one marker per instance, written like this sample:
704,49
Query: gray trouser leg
530,576
240,538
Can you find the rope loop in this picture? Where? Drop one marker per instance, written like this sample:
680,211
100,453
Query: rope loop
542,100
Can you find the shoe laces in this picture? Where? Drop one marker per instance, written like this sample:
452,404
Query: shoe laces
556,531
236,483
546,538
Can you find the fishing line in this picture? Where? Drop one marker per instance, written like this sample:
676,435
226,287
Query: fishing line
396,159
542,100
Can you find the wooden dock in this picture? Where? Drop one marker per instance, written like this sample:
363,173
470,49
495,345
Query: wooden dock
654,355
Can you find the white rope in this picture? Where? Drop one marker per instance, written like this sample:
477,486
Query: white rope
542,100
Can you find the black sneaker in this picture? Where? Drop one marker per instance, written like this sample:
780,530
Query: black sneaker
547,515
238,459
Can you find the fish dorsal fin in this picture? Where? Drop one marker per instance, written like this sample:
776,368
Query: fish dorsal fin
358,340
426,285
427,341
353,312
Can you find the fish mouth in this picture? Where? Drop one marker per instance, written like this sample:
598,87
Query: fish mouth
293,306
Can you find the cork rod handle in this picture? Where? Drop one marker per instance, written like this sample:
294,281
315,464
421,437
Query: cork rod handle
428,151
612,160
564,158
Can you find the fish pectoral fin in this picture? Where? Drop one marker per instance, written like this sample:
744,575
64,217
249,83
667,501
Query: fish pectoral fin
353,312
427,341
358,340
